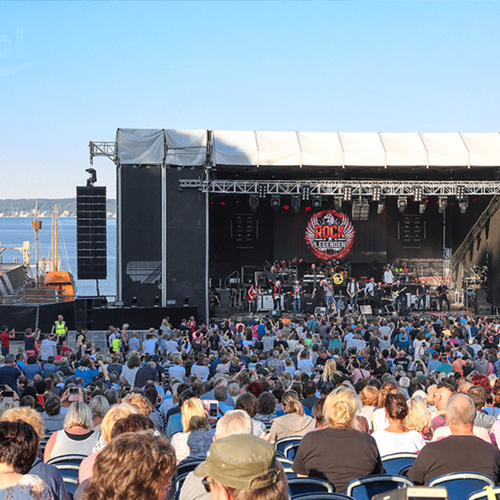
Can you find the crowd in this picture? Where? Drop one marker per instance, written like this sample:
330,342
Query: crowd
355,389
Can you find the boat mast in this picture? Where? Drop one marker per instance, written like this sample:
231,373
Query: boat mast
36,225
55,264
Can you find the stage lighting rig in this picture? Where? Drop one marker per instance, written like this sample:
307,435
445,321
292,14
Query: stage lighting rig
347,193
295,204
463,204
380,207
316,202
402,203
275,202
376,193
460,192
443,203
262,188
418,193
306,192
422,206
254,203
92,178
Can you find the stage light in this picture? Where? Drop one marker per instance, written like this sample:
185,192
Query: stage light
286,207
376,193
380,207
463,204
104,302
223,203
337,202
460,192
186,300
254,203
262,190
443,203
133,302
347,193
418,193
306,192
296,204
316,202
422,206
308,208
156,301
402,203
275,202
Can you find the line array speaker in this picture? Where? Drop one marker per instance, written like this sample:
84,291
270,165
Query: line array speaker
91,232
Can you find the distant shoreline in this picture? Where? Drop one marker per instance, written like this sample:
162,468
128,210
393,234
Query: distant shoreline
66,208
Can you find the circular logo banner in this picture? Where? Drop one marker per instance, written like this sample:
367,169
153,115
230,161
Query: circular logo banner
329,235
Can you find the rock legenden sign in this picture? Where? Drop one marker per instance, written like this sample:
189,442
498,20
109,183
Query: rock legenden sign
329,235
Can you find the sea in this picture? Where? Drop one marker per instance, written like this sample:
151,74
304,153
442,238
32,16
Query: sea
15,230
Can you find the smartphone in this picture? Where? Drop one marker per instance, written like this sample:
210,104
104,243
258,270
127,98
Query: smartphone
213,410
8,395
74,390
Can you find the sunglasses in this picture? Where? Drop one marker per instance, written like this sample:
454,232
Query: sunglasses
206,484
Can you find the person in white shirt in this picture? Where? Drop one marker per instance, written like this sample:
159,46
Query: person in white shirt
48,348
149,345
177,371
199,369
388,276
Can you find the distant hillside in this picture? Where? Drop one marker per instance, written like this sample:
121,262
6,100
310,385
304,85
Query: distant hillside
66,207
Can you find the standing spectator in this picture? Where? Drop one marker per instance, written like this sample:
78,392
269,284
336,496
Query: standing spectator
5,338
10,373
149,345
48,347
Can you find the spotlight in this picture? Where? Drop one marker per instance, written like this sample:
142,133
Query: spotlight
306,192
186,300
422,206
92,178
460,192
360,209
463,204
443,203
337,202
376,193
254,203
133,302
418,193
402,203
275,202
104,302
295,204
316,202
156,301
347,193
380,207
262,190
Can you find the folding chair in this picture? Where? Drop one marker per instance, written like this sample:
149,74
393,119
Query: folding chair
366,487
461,484
302,485
396,461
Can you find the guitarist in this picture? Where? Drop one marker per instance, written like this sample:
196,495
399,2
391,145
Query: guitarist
397,293
352,292
277,295
421,295
252,297
297,298
441,294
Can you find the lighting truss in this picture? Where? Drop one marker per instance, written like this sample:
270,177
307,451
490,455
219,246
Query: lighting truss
341,188
107,149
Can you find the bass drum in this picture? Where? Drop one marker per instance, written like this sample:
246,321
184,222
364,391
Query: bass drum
338,279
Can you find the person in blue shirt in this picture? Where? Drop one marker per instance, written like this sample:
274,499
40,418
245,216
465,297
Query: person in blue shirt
86,371
32,368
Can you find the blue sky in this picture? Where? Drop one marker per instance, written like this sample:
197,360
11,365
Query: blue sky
71,72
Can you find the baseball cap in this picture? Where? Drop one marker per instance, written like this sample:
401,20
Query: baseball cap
238,461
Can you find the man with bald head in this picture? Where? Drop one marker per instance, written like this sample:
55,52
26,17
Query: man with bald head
462,451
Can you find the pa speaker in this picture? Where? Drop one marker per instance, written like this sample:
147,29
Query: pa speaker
91,232
366,310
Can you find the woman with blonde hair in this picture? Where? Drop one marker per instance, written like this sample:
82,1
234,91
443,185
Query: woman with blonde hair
149,462
338,452
197,436
419,417
294,422
369,400
115,413
331,374
78,435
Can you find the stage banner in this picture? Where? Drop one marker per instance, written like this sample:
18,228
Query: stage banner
329,235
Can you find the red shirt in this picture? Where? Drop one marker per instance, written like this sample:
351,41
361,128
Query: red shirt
4,337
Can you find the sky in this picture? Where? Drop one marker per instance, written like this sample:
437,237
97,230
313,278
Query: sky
72,72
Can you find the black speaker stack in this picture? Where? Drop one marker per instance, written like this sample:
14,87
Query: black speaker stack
91,232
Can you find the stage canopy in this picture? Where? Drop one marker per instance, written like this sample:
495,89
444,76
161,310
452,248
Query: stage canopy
308,149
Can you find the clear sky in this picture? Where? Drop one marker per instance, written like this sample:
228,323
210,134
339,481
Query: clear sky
71,72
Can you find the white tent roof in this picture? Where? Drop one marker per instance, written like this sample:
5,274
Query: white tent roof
313,149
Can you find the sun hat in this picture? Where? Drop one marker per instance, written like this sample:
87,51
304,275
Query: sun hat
238,461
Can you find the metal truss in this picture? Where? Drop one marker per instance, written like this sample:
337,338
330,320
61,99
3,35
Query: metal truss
358,188
107,149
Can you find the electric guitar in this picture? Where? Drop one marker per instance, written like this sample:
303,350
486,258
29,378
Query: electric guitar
252,295
395,295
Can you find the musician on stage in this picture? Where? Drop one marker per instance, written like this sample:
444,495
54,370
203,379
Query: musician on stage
253,297
329,296
277,295
352,292
271,275
421,292
398,294
441,294
370,290
297,298
388,280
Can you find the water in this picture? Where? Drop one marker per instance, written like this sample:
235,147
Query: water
15,230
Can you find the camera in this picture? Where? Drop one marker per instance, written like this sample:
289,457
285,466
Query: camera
74,390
